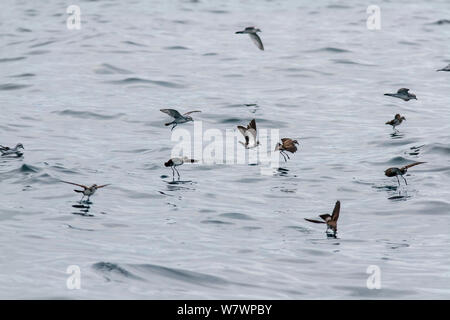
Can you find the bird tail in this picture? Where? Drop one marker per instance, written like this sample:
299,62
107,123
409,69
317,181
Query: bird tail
412,165
168,123
80,191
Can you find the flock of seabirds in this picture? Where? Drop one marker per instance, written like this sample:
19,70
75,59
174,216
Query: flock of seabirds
250,134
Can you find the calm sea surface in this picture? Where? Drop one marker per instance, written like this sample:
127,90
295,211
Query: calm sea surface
85,104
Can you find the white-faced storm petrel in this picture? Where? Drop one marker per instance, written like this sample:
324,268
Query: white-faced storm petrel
250,134
87,191
331,221
396,121
403,94
178,117
286,144
395,172
175,162
252,32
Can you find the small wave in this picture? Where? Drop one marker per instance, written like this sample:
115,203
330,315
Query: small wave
23,75
110,269
176,48
139,80
12,86
235,215
106,68
331,49
134,43
11,59
87,114
42,44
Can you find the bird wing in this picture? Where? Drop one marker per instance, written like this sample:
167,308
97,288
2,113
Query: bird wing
403,90
252,125
336,210
190,112
412,165
242,130
104,185
172,112
315,221
75,184
4,148
257,40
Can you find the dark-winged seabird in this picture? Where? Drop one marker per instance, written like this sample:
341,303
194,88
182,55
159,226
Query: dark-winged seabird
178,117
396,121
250,135
175,162
252,32
331,221
87,191
403,94
286,144
395,172
6,151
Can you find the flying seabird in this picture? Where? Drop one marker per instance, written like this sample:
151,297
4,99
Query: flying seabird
252,32
286,144
175,162
87,191
331,221
403,94
178,117
395,172
250,135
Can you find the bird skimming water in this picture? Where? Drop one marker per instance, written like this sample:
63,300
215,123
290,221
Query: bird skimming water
178,117
252,32
6,151
175,162
395,172
403,94
286,144
398,119
331,221
87,191
250,135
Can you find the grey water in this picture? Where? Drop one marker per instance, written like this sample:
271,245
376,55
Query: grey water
85,105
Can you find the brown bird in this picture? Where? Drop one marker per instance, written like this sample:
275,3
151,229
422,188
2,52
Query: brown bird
331,221
286,144
87,191
395,172
398,119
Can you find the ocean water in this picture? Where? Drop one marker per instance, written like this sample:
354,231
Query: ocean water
85,104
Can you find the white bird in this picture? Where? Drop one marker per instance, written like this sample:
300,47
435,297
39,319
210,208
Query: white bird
178,117
10,151
252,32
250,134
